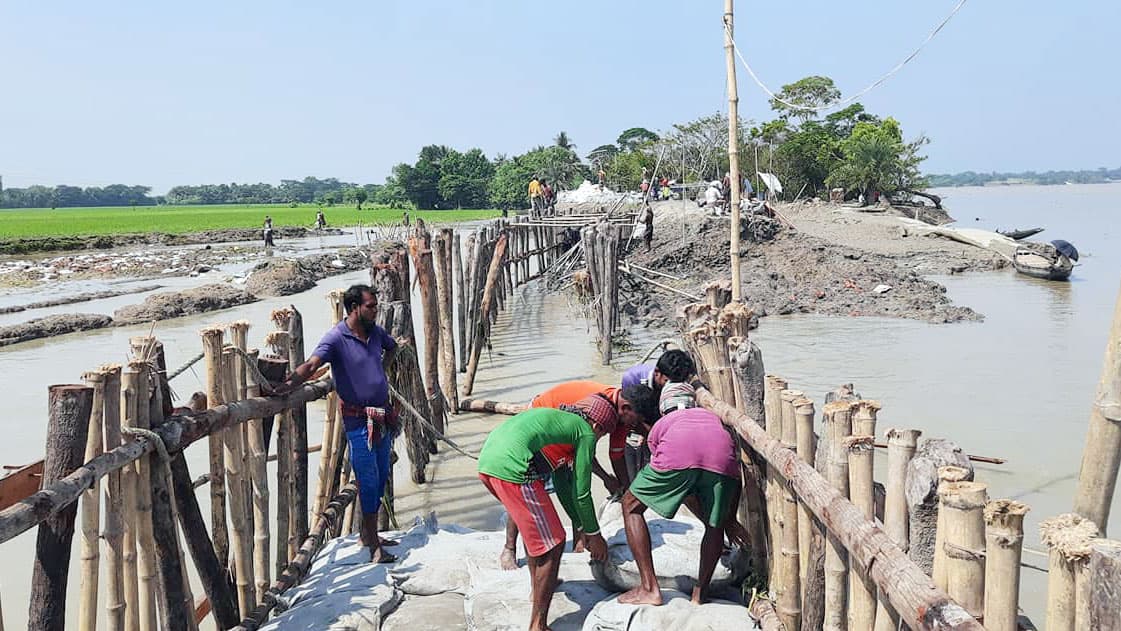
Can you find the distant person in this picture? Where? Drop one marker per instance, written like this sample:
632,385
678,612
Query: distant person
726,189
644,187
602,178
648,220
268,232
320,220
536,197
405,218
549,196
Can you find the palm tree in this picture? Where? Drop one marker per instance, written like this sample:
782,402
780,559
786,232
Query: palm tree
564,142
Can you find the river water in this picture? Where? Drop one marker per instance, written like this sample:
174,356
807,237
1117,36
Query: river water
1017,386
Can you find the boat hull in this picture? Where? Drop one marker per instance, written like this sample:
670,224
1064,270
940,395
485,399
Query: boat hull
1036,266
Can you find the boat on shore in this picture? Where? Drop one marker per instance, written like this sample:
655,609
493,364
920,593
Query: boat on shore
1020,234
1042,260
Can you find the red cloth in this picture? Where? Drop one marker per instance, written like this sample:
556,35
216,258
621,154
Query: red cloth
531,509
569,393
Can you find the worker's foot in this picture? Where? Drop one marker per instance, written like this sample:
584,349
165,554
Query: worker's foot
381,556
508,560
698,597
639,596
388,542
578,543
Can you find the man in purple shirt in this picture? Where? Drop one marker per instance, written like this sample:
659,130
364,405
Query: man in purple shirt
674,365
358,351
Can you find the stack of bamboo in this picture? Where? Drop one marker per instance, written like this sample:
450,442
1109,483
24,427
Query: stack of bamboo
601,253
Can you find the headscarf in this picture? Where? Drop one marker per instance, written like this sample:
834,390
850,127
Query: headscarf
597,410
677,396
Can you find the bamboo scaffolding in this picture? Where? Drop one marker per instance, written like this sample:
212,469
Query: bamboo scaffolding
900,450
1004,542
91,509
946,474
838,426
212,354
862,592
130,393
241,534
69,411
114,503
1069,538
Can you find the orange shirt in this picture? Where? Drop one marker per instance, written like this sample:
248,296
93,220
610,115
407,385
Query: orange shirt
569,393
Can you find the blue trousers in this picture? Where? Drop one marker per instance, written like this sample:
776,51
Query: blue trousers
371,467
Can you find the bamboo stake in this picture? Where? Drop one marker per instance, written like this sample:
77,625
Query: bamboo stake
1068,537
461,302
481,324
212,354
901,446
114,503
733,147
278,340
91,509
864,418
964,503
234,459
790,596
946,474
332,430
778,524
862,592
297,501
772,412
130,388
1004,542
1101,458
805,440
259,483
838,426
146,570
443,246
1105,585
69,418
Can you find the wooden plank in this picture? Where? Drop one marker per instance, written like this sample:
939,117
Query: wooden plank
20,484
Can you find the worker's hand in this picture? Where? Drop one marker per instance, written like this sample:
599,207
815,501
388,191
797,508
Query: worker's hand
611,483
596,546
737,533
277,390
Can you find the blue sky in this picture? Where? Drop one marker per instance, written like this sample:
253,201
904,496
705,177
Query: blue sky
204,92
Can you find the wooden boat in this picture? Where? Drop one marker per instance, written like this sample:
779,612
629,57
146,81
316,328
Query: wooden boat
1042,260
1020,234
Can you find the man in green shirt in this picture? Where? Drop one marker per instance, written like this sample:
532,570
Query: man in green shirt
513,471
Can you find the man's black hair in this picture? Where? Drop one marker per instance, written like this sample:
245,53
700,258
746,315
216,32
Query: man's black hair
353,296
643,401
676,365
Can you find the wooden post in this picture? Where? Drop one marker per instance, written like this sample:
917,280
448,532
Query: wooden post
964,504
241,536
864,417
838,426
468,305
862,592
278,340
1097,479
481,324
212,574
805,440
1068,537
420,250
259,486
1004,542
784,429
114,504
442,250
790,596
946,474
212,354
297,501
901,446
1105,585
68,425
461,302
733,146
130,393
332,430
176,607
91,509
143,348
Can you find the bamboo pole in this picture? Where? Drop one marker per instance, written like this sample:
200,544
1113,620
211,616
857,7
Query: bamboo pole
91,509
862,592
805,440
461,302
838,426
143,349
259,485
1101,458
69,417
297,501
901,446
443,247
332,429
964,503
278,340
1004,542
114,503
421,252
864,418
481,323
776,503
772,413
130,393
241,535
212,355
946,474
1105,585
790,596
491,407
1069,538
733,146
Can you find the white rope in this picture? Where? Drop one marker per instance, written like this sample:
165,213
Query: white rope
843,102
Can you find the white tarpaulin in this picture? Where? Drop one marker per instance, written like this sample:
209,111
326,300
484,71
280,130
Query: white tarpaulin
771,180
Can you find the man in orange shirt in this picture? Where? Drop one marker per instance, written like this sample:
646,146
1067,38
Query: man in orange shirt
634,405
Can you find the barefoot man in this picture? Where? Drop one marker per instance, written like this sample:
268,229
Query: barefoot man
692,455
512,469
358,351
633,405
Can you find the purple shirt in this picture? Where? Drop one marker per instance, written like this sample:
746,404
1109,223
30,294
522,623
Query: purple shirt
356,366
693,439
639,375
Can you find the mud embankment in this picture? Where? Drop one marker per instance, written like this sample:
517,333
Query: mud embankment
105,242
86,297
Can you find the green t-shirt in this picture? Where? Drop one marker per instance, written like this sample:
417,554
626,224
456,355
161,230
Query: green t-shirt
510,447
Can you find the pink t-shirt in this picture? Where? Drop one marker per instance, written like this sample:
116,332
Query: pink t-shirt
693,439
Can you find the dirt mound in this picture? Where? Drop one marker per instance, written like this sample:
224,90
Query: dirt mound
105,242
283,277
174,304
51,326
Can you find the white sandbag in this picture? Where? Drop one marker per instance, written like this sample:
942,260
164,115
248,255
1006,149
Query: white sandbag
499,599
442,612
441,564
340,611
676,613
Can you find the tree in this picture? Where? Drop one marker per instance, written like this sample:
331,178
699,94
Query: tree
464,179
358,196
602,154
805,94
564,142
634,138
875,159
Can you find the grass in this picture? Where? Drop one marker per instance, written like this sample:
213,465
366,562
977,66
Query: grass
17,223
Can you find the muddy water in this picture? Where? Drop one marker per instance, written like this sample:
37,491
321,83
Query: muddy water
1017,386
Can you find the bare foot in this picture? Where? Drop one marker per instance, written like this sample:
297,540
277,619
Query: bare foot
508,560
639,596
388,542
381,556
578,545
698,597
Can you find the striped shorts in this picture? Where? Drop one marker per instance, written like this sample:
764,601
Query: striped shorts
531,509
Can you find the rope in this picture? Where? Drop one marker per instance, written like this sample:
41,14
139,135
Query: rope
843,102
427,424
182,369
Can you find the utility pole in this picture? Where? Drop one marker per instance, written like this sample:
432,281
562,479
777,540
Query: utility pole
733,147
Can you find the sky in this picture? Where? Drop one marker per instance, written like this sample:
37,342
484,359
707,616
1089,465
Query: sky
154,93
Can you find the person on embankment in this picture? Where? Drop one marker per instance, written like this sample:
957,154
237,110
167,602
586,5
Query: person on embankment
633,406
358,351
694,463
512,469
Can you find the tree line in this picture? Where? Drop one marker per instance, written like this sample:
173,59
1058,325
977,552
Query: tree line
972,178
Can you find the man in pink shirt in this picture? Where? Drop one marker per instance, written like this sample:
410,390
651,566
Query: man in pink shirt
691,455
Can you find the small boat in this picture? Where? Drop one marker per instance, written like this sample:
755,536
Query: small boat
1042,260
1020,234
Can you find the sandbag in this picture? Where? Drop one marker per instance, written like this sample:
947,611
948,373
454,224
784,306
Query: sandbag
676,613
